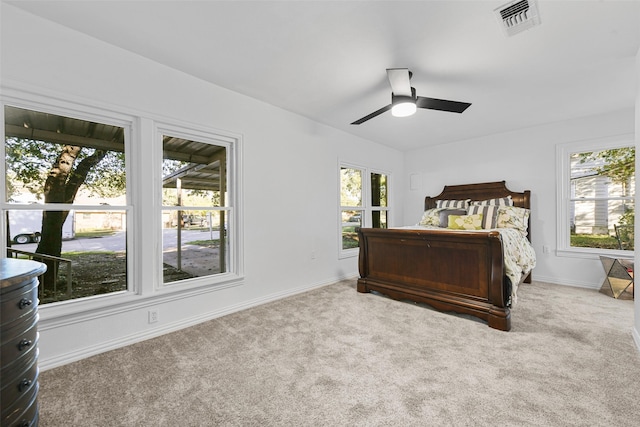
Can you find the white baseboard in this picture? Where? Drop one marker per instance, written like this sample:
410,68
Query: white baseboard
566,282
636,337
76,355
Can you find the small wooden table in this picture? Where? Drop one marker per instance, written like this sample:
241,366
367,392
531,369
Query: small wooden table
618,282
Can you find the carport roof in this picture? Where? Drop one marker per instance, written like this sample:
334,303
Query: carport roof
205,160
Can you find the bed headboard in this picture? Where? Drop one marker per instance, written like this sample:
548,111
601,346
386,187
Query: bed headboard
482,191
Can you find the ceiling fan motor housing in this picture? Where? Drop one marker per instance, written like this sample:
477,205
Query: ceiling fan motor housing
401,99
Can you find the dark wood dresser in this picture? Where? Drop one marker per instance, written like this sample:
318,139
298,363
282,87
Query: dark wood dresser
19,342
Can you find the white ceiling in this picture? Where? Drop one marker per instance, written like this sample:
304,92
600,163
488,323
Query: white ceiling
326,60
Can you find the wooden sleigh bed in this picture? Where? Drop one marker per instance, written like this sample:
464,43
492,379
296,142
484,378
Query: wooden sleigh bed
450,270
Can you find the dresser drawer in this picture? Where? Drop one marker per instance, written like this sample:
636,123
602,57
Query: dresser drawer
24,414
20,391
12,369
18,340
18,303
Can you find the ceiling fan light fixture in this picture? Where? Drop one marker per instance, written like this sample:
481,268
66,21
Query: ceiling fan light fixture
403,105
404,108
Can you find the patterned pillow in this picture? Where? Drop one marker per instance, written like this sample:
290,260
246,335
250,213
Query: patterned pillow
431,217
504,201
453,204
489,214
513,217
465,222
444,216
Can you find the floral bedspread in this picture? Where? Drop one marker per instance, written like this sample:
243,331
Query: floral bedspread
519,256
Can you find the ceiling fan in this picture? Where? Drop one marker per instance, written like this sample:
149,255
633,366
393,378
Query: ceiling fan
404,101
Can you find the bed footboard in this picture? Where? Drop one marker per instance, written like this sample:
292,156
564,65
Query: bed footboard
450,271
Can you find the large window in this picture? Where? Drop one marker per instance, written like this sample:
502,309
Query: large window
116,219
65,200
363,203
195,208
596,198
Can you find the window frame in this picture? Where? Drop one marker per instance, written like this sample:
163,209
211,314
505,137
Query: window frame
144,273
563,194
229,207
366,208
92,115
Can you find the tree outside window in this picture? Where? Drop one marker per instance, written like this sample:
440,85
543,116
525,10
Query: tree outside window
66,183
601,200
363,203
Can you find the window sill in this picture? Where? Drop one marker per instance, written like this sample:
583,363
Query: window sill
587,253
350,253
79,310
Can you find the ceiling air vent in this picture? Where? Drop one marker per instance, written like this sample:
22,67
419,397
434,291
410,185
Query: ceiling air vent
517,16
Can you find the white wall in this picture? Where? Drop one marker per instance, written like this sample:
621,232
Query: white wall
290,178
526,160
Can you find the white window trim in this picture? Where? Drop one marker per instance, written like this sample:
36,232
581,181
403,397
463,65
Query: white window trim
140,134
231,145
563,194
88,113
366,208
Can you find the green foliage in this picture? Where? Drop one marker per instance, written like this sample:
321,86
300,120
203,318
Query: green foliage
170,166
618,163
215,243
350,240
628,218
108,179
350,187
29,161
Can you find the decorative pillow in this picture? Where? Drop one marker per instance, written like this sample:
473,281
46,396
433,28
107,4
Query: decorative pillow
444,216
431,217
504,201
453,204
513,217
465,222
489,214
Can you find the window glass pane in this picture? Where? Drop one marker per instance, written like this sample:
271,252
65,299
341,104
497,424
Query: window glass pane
194,246
351,221
54,159
350,187
378,189
379,219
594,223
193,173
601,209
92,257
605,173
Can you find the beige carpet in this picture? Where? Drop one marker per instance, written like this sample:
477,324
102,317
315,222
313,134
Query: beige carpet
333,357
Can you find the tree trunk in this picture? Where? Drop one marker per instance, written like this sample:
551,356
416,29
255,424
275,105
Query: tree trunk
61,186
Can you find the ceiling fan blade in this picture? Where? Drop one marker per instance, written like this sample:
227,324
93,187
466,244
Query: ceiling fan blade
372,115
400,81
441,104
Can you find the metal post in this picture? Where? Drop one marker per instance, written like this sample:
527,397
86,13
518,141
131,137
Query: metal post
179,240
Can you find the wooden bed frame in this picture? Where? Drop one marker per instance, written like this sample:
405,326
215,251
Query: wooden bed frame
454,271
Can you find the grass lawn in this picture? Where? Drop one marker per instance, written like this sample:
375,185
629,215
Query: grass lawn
603,241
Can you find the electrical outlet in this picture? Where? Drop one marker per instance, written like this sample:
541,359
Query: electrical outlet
154,316
545,249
